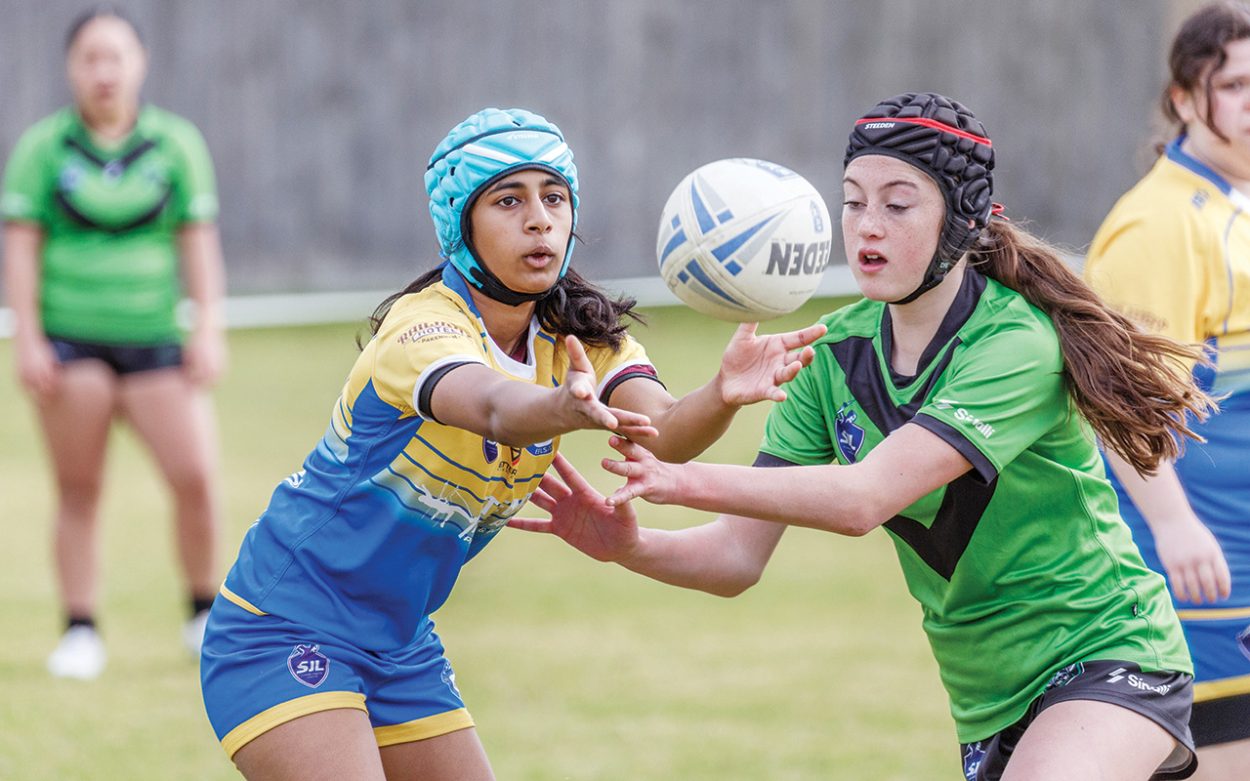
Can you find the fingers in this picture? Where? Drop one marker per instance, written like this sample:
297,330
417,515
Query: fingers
638,432
744,332
803,336
531,525
570,475
630,450
578,360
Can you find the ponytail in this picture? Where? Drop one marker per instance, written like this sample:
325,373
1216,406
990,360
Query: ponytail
1135,388
574,307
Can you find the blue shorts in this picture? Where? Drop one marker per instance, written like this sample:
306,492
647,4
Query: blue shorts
121,358
260,671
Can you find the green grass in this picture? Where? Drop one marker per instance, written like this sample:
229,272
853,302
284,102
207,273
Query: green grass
572,669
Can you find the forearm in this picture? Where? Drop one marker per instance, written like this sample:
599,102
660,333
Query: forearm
1159,498
829,498
711,558
521,414
22,245
690,424
204,272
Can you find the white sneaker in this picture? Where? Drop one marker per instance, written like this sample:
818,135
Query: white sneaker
193,632
80,654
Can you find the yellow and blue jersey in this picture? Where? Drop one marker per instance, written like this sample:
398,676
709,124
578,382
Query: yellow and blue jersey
368,538
1174,255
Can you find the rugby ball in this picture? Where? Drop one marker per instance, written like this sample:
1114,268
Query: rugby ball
744,240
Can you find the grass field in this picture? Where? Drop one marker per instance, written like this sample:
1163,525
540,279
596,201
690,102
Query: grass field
572,669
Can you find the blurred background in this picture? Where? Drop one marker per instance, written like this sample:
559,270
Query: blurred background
320,115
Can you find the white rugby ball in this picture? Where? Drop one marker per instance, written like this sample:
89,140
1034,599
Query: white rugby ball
744,240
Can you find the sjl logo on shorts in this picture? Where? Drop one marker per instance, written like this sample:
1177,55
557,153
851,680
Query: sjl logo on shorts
308,665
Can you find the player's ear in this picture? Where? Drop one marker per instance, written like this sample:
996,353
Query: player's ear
1184,104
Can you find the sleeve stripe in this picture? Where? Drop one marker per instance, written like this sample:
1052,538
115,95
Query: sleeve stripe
626,372
424,386
984,468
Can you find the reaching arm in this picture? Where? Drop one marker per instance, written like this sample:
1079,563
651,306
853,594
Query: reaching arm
200,248
37,367
852,500
724,557
752,369
1191,556
478,399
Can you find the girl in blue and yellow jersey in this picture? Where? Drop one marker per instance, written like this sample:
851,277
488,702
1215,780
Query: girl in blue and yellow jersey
320,654
1174,254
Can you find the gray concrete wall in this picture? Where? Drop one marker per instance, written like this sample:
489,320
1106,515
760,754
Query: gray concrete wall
321,115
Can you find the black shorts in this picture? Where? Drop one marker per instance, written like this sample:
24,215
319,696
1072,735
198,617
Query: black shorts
1221,721
1163,697
121,358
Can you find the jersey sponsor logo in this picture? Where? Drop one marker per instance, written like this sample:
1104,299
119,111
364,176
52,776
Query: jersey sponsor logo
297,479
539,448
308,665
1243,641
428,332
964,416
850,436
514,454
449,677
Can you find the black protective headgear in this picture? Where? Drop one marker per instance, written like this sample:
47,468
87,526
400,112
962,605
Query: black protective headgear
942,138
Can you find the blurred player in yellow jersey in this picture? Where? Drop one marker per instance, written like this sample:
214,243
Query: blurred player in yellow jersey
1174,254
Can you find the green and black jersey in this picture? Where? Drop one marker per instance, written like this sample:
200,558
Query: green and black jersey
1023,565
110,216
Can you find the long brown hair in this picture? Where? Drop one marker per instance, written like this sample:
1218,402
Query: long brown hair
1198,51
1135,388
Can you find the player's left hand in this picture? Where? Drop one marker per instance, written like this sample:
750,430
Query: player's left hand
755,367
646,476
580,516
204,356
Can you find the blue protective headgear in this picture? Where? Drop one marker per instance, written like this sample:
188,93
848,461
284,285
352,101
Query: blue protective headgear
487,146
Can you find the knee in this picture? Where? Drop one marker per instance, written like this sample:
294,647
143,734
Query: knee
193,486
79,498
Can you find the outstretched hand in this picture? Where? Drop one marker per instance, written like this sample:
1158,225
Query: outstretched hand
755,367
584,407
581,516
646,476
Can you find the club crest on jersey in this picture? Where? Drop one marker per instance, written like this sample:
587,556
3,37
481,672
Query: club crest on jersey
308,665
850,436
490,450
1065,676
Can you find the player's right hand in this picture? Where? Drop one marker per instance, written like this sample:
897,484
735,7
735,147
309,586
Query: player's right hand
37,367
585,410
646,476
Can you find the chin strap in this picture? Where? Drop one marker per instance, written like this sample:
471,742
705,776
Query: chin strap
489,284
933,276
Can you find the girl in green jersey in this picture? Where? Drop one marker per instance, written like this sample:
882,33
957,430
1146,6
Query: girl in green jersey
105,203
954,406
